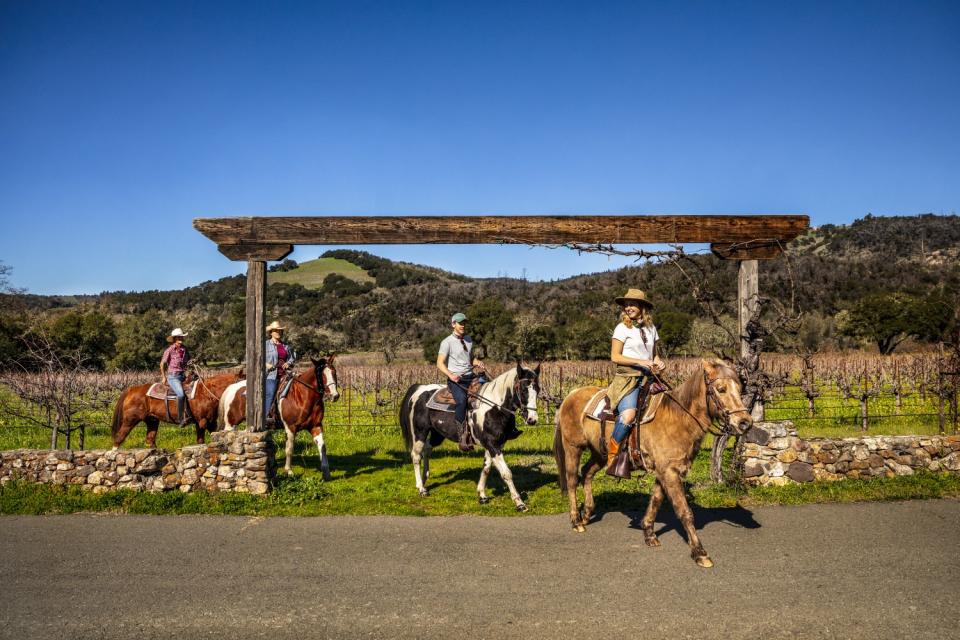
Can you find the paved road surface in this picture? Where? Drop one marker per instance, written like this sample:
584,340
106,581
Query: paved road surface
818,571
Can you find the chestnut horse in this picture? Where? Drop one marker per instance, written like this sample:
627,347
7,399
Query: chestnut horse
668,444
300,410
135,406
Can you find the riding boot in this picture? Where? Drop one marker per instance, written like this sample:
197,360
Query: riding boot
466,439
618,459
181,410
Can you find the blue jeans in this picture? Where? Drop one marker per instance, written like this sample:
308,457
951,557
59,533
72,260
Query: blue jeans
459,392
268,394
629,401
175,380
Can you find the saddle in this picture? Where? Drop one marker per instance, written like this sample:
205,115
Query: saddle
630,457
162,391
442,399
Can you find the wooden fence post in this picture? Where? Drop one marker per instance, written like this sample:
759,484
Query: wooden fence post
256,376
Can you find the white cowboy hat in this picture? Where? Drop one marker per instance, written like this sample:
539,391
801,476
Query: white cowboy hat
275,326
178,333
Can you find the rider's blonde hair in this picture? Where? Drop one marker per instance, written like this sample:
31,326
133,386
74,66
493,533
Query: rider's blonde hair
646,318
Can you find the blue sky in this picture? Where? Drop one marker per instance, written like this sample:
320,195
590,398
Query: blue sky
120,122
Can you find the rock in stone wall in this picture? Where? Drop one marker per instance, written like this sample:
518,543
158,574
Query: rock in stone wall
772,454
242,461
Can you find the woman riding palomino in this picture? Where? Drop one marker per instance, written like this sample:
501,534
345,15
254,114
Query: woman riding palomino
173,366
279,357
634,350
455,361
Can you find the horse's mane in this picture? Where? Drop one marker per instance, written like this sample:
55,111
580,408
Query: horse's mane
692,388
497,388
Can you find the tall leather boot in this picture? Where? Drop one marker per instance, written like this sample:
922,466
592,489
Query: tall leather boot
466,440
618,460
181,410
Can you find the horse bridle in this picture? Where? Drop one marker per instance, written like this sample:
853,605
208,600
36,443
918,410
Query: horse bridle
516,390
316,389
712,394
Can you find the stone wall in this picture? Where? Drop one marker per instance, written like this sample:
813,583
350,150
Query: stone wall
772,454
232,461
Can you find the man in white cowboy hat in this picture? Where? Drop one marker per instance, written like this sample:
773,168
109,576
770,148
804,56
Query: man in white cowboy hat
278,356
173,367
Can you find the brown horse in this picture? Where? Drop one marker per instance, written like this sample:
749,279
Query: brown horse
135,406
668,444
301,409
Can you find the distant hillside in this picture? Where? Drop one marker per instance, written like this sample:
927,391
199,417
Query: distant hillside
312,273
354,300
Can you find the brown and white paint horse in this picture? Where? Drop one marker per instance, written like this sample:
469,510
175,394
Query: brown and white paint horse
493,422
300,410
135,406
668,444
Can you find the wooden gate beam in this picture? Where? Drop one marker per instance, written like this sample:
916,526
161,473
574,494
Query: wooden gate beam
240,238
256,376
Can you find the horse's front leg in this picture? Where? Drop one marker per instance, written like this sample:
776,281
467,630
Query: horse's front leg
507,476
649,518
484,474
317,433
288,450
672,481
153,426
201,431
416,455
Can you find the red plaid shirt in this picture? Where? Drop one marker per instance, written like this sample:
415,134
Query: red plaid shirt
176,358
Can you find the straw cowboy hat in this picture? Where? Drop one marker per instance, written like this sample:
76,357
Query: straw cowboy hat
177,333
634,294
275,326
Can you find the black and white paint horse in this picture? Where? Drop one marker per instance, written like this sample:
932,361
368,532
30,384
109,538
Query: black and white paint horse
492,423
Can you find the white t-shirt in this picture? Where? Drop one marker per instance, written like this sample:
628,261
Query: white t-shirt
637,343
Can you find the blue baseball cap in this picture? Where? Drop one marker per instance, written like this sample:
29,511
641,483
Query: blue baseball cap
458,317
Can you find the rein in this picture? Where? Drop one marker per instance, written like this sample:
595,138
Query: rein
316,389
711,394
493,404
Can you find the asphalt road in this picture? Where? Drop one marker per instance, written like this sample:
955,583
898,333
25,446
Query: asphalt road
819,571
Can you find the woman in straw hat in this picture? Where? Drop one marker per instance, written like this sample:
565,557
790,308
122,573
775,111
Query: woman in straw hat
173,367
279,356
634,350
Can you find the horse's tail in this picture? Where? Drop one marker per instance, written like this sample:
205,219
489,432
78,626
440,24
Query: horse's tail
118,413
558,453
406,415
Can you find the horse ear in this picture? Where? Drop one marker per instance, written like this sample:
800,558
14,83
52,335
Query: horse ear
316,363
519,368
536,369
330,357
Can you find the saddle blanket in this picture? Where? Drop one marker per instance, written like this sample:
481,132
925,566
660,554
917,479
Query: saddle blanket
600,404
161,391
442,400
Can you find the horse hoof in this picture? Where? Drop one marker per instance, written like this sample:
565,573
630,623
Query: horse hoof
484,499
424,493
703,561
521,507
652,542
327,477
289,473
579,528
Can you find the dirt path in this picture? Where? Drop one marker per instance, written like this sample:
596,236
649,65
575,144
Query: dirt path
819,571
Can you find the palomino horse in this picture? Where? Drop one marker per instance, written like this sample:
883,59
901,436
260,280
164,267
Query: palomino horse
301,409
668,444
492,423
135,406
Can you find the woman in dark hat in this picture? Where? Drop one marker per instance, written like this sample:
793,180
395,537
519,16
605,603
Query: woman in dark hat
634,350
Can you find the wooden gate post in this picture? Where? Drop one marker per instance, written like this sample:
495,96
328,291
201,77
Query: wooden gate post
748,288
256,376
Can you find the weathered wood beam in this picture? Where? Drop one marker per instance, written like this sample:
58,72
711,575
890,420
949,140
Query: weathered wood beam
256,377
633,229
253,251
747,250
